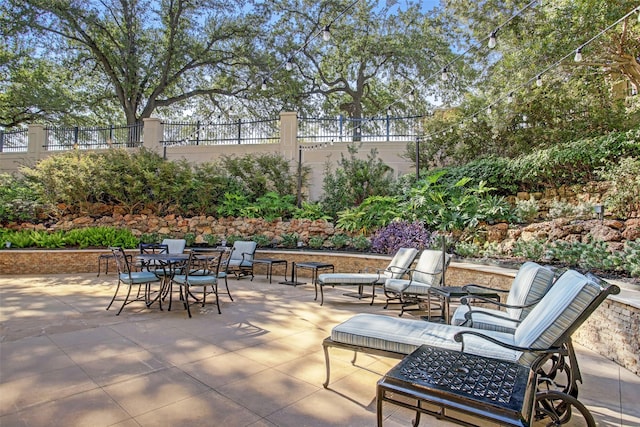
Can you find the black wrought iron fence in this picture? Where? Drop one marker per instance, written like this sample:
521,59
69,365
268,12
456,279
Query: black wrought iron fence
93,138
234,132
343,129
14,141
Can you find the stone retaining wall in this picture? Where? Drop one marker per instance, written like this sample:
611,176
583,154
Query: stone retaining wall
611,331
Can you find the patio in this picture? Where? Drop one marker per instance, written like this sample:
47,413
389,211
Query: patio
64,360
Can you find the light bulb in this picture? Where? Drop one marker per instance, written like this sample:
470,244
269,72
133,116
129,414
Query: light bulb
264,84
474,119
578,57
492,40
288,65
326,34
510,97
539,80
445,74
489,110
412,95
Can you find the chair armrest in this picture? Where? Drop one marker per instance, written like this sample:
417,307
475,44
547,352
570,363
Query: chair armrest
469,316
466,300
459,337
467,288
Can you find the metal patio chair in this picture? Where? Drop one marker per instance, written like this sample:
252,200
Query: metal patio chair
398,266
541,341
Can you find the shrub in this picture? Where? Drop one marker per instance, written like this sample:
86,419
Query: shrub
19,200
526,210
533,250
360,243
289,240
624,200
339,240
316,242
354,180
467,249
258,174
401,234
374,212
261,240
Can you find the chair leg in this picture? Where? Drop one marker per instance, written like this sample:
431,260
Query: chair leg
114,295
126,298
327,365
226,284
186,298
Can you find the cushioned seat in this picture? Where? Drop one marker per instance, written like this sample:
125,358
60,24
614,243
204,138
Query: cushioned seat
397,267
427,273
531,283
548,326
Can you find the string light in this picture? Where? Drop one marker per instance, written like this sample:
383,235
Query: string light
539,80
288,65
510,97
264,84
445,74
326,33
492,40
578,55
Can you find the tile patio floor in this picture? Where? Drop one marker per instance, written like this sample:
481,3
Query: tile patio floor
66,361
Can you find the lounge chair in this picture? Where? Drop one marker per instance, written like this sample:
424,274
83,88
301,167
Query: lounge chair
141,280
546,330
240,262
398,266
531,283
414,290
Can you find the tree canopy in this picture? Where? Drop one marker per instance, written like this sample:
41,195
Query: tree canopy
73,61
148,54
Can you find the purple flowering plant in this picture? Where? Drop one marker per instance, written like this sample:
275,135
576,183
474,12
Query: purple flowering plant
401,234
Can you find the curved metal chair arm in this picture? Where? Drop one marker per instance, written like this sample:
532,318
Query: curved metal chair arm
469,316
430,273
467,288
467,301
459,337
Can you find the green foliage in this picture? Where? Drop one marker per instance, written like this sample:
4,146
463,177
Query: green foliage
261,240
289,240
312,211
567,163
446,205
18,239
354,180
233,204
211,239
630,258
81,238
272,206
339,240
19,201
526,210
360,243
467,249
625,177
258,174
559,209
316,242
533,249
374,212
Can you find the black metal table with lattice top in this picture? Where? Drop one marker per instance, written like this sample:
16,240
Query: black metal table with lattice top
459,387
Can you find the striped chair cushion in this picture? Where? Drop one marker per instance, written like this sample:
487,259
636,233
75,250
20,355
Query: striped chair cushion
559,309
406,286
405,335
530,284
351,278
430,261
